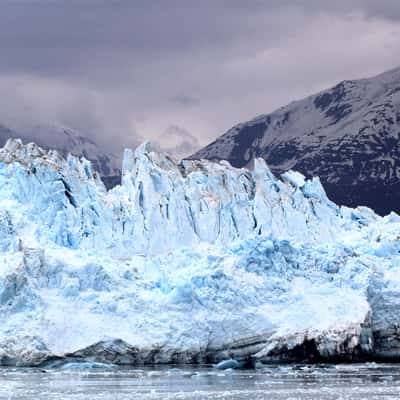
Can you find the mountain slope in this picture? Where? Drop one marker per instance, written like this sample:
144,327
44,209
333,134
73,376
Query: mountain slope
347,135
65,141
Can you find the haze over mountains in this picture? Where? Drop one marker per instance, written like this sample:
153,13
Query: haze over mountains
347,135
66,140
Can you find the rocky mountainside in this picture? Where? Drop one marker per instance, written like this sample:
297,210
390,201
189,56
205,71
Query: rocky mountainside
66,140
188,263
348,135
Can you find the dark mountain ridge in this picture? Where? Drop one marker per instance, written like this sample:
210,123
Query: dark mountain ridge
348,135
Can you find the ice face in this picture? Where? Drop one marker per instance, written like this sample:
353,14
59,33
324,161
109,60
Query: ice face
161,205
189,262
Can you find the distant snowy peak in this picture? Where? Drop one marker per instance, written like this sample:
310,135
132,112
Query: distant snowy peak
347,135
65,140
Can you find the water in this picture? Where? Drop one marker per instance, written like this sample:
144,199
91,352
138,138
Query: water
328,382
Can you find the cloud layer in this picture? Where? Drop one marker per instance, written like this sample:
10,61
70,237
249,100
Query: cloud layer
181,72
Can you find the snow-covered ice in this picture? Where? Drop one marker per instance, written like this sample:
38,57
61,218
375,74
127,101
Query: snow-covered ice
189,262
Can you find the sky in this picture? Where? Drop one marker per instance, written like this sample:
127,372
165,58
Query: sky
181,72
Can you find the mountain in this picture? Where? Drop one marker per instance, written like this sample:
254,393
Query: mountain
195,262
66,140
348,135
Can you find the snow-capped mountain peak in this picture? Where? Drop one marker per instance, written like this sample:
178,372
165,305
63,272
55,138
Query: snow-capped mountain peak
347,135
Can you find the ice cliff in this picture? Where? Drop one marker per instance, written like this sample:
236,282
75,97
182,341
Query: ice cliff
189,262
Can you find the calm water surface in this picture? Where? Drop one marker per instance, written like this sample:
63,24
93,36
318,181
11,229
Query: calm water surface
294,382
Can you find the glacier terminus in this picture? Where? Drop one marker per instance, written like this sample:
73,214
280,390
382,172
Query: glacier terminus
191,262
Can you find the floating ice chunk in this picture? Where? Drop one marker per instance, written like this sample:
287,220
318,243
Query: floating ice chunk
229,364
86,365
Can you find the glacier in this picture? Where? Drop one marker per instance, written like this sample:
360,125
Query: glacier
190,262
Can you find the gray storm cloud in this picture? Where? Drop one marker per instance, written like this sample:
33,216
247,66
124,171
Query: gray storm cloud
181,72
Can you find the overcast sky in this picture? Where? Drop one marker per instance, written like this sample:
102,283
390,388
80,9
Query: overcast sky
181,73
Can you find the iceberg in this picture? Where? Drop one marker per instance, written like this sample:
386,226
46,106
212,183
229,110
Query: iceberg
190,262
